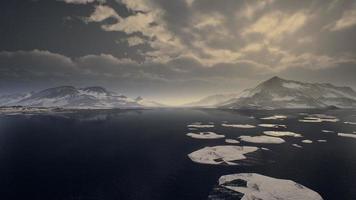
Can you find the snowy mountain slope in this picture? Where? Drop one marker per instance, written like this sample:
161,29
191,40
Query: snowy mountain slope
71,97
211,101
278,93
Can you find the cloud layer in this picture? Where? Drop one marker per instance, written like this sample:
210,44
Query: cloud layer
192,46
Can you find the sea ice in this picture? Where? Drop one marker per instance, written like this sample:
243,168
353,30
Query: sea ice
221,154
281,133
350,135
238,125
262,139
280,117
272,125
352,123
317,118
199,125
248,186
327,131
232,141
307,141
205,135
322,140
297,145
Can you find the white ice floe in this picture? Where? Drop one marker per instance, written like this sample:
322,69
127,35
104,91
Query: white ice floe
221,154
257,186
205,135
199,125
264,148
281,133
322,140
279,117
307,141
352,123
262,139
327,131
297,145
272,125
232,141
238,125
317,118
350,135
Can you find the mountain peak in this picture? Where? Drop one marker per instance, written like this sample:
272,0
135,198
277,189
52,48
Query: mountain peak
274,79
96,89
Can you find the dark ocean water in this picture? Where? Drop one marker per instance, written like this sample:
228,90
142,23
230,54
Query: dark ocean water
142,154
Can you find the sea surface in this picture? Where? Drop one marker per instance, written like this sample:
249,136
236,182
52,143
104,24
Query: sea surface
142,154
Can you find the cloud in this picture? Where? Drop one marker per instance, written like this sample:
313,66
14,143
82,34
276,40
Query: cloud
38,67
102,13
274,25
347,20
135,40
82,1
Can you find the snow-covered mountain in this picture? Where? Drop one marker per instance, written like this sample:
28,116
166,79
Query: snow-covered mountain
278,93
71,97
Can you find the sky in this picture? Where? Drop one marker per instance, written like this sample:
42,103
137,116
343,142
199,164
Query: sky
175,51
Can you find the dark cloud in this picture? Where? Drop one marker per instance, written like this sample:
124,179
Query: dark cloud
192,47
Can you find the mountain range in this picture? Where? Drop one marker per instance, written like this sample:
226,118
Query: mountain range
275,93
278,93
71,97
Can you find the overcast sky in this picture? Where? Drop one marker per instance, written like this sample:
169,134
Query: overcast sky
175,50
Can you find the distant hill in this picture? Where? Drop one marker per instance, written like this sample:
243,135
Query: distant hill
278,93
71,97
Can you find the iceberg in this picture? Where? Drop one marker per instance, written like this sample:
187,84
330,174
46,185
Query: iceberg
275,117
272,125
232,141
199,125
205,135
318,118
262,139
249,186
238,125
307,141
225,154
297,145
350,135
281,133
352,123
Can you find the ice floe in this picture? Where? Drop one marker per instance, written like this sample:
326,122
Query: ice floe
262,139
297,145
205,135
248,186
200,125
350,135
272,125
232,141
307,141
352,123
279,117
238,125
225,154
281,133
322,140
327,131
317,118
